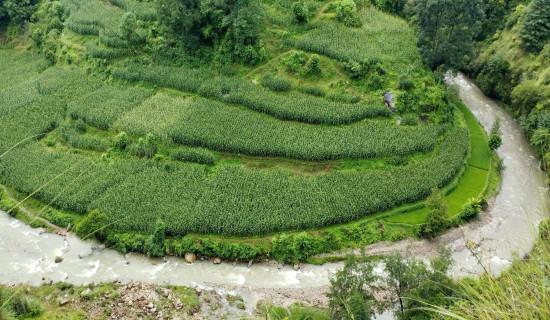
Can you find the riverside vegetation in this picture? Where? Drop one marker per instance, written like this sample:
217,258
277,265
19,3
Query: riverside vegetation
241,131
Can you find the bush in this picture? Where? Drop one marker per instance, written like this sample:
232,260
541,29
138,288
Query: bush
155,243
405,82
495,141
300,11
410,119
121,141
275,83
470,210
92,225
435,222
294,61
346,12
314,67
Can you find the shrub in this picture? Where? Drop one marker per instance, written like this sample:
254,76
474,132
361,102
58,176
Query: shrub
121,141
470,210
314,64
410,119
346,12
495,141
294,61
155,243
436,220
300,11
275,83
92,225
405,82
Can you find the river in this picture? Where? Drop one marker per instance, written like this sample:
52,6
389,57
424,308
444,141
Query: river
506,230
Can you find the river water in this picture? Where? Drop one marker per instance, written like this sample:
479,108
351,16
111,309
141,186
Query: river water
506,230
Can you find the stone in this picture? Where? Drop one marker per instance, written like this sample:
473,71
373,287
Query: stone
217,260
198,291
190,257
297,266
280,266
154,262
85,292
250,263
63,302
58,259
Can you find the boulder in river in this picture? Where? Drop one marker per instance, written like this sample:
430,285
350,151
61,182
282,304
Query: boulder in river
190,257
217,260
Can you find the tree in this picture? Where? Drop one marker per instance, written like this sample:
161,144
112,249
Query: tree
447,29
314,66
17,11
494,138
128,26
415,285
436,220
346,12
155,244
93,224
300,11
180,20
350,296
535,26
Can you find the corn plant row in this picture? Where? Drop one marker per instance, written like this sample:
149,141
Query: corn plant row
382,37
19,67
294,106
83,141
233,200
145,11
100,52
56,88
102,107
223,127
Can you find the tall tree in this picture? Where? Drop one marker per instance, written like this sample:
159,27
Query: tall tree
17,11
535,27
180,20
447,29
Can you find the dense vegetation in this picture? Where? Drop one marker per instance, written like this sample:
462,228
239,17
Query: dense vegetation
175,118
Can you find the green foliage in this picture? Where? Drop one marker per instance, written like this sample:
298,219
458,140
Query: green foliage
275,83
77,139
495,78
495,141
104,105
121,141
405,82
294,61
93,225
383,37
237,91
349,295
200,122
314,91
155,243
314,67
447,30
410,119
295,248
128,26
300,11
198,155
392,6
144,147
17,11
535,26
416,285
436,220
346,12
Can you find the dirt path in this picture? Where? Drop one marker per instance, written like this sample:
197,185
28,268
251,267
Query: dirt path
56,229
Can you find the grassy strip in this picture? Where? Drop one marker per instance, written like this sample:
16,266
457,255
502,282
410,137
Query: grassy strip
474,182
